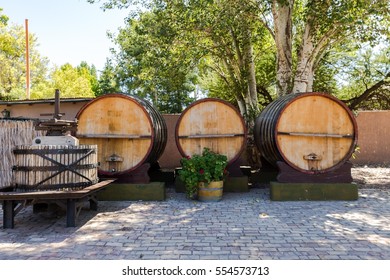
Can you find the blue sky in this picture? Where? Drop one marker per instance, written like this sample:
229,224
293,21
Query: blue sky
68,31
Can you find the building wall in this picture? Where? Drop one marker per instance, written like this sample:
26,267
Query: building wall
373,131
43,110
373,137
170,159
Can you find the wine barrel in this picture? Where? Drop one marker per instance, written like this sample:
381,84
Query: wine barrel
311,132
54,167
210,192
127,130
211,123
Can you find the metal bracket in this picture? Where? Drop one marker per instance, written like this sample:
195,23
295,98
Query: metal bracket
312,156
114,158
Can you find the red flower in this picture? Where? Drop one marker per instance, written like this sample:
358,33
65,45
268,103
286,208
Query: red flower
201,171
188,157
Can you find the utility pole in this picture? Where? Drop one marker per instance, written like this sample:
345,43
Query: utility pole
27,62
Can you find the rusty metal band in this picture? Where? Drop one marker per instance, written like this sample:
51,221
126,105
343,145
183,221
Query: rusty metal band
212,135
56,186
52,168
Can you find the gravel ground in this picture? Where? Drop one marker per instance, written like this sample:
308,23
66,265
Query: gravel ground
371,176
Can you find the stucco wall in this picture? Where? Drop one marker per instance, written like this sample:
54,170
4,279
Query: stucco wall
170,158
43,110
373,137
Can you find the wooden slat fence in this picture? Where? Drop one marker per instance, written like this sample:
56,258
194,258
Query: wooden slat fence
13,133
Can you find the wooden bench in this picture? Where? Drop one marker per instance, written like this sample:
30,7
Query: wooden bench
14,202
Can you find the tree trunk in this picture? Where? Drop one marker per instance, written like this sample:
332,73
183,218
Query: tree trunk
304,75
252,100
282,15
309,56
355,102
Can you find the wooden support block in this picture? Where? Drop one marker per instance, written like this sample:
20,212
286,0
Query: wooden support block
138,176
287,174
162,175
8,213
70,213
313,191
236,184
263,176
153,191
231,184
93,203
179,185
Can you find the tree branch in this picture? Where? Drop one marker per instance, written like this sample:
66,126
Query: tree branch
356,101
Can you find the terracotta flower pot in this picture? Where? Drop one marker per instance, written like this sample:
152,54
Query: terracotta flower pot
210,192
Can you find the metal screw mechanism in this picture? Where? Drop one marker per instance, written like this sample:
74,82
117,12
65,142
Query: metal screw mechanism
6,114
56,126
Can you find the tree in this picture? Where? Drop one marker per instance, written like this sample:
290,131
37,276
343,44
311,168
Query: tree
3,18
304,34
72,82
12,62
90,72
176,37
315,27
369,86
152,64
228,35
108,80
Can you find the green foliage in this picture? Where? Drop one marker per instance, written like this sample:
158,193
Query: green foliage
368,86
152,63
73,82
81,81
170,49
108,81
207,167
3,18
215,37
13,63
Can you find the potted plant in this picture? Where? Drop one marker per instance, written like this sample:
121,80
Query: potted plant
203,175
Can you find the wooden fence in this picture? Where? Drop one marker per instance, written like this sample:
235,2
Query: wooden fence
13,133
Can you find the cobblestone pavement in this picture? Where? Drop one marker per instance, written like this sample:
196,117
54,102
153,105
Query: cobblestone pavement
241,226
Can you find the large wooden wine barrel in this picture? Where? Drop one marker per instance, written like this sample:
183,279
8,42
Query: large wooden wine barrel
211,123
54,167
311,132
127,130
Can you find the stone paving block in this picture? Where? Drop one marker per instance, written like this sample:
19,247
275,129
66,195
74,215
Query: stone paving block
238,227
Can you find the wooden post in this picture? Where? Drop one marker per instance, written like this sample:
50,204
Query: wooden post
27,62
70,212
57,114
8,213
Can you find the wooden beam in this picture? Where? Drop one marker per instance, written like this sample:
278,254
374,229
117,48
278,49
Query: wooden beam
329,135
116,136
211,135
